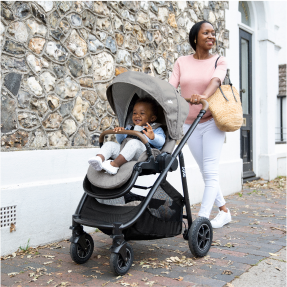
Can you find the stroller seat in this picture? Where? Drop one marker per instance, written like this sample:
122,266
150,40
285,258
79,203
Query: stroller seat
102,179
103,185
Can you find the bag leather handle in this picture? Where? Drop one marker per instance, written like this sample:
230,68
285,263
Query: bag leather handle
217,61
229,83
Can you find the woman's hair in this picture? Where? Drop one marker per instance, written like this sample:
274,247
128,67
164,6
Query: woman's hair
152,102
193,33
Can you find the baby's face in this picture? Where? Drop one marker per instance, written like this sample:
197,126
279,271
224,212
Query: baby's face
142,114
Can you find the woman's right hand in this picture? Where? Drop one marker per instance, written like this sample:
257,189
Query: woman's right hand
195,99
118,129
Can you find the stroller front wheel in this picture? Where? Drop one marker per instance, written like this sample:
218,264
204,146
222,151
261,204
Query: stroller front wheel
118,265
200,237
80,255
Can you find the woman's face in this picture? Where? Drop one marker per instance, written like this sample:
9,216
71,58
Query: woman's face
205,37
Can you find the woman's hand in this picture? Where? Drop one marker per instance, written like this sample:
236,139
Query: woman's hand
118,129
195,99
149,133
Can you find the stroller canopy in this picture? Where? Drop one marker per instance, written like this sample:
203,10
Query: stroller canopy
123,88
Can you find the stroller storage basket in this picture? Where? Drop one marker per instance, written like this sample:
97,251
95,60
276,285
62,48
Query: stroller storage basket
161,219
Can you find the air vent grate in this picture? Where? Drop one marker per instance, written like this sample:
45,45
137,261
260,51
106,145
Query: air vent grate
8,215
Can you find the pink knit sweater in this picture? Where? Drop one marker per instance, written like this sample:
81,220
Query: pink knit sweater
193,76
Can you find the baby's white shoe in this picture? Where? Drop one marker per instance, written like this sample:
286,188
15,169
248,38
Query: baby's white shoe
109,168
221,219
96,162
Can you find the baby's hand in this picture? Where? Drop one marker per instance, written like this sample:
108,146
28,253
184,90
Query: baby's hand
149,133
118,129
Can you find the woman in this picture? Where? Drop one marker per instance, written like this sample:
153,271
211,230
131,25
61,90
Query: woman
199,79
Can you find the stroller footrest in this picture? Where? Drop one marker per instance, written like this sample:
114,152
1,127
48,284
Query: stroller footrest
103,193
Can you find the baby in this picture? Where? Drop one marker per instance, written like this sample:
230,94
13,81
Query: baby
144,116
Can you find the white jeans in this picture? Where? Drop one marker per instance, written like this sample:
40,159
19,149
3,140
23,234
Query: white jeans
131,151
205,144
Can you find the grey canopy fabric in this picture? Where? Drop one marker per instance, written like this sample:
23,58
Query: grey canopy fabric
123,88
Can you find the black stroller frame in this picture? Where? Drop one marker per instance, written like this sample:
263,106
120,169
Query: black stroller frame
198,233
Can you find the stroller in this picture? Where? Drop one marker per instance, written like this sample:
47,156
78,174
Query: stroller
160,213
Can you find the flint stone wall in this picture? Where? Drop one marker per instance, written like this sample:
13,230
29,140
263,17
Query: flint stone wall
59,57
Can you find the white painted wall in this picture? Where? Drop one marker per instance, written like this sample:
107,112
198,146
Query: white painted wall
279,12
281,151
46,187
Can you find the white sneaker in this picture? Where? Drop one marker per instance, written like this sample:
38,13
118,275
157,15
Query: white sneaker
96,162
109,168
221,219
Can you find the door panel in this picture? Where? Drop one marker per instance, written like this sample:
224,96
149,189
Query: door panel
244,75
245,64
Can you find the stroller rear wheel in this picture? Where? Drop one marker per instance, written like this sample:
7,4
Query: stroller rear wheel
118,264
79,254
200,237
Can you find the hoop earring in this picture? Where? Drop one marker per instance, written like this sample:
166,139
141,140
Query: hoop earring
195,41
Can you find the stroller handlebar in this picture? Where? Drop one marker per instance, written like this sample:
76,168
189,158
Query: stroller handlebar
126,132
204,103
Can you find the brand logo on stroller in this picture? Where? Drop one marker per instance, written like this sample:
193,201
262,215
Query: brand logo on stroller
183,171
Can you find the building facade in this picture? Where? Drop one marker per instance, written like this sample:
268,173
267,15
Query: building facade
259,40
57,58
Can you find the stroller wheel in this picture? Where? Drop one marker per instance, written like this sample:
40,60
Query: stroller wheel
78,254
200,237
118,264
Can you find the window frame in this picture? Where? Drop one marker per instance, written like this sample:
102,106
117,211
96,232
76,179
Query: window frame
281,127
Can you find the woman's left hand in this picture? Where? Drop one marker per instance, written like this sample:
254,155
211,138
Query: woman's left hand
195,99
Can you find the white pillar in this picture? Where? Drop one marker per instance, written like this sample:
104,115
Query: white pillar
267,161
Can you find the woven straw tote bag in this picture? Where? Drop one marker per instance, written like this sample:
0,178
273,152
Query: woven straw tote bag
225,107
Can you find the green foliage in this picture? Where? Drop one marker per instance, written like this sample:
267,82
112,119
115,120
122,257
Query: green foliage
25,248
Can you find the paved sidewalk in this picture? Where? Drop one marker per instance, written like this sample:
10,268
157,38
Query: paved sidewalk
269,272
258,231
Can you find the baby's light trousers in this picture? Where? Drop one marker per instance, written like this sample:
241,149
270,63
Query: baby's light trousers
131,151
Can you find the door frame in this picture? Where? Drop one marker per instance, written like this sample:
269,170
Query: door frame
248,174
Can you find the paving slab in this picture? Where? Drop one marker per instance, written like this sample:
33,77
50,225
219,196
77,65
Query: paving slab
268,272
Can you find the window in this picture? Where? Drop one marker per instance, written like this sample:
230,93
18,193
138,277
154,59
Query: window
280,136
280,131
245,15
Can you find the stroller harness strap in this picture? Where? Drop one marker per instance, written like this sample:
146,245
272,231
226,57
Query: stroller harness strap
129,137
